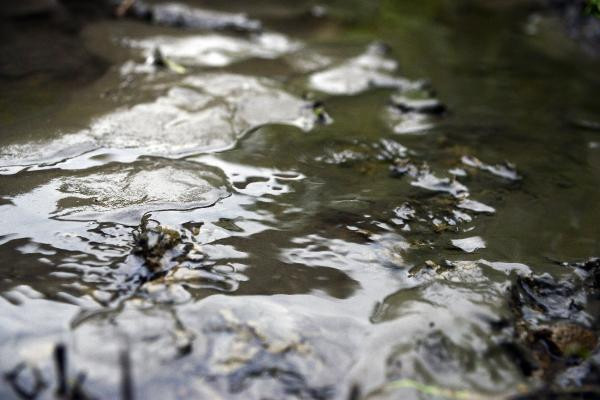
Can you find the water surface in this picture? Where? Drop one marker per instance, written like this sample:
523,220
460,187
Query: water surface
298,241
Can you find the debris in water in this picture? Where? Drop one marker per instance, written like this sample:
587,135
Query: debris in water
153,243
318,109
405,212
343,158
159,60
174,265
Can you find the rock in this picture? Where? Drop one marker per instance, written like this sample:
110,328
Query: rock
153,241
405,212
554,327
542,299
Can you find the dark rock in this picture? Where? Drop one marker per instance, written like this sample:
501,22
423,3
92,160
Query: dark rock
418,100
424,106
554,328
558,394
582,27
183,16
543,299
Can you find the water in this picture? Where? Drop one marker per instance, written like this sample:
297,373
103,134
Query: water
235,239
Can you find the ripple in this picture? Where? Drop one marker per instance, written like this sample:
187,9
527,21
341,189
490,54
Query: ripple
139,187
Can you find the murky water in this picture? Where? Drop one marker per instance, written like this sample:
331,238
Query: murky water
299,213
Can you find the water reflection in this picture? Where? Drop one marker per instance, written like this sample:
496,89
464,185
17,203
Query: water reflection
218,230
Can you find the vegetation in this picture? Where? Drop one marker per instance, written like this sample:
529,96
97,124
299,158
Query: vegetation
593,8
